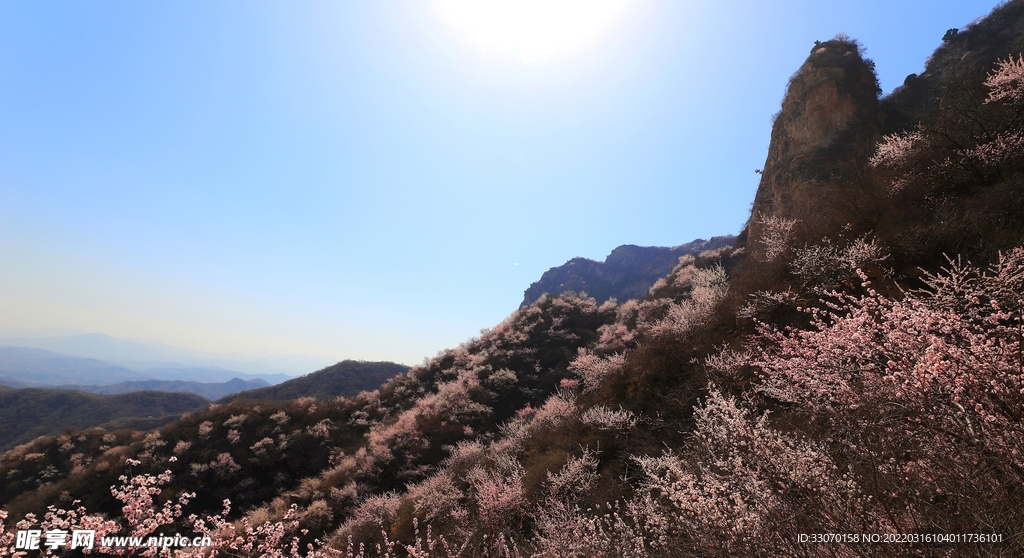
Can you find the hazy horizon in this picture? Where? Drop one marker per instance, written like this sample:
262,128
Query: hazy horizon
144,355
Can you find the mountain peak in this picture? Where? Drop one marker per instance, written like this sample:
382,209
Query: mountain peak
826,130
628,272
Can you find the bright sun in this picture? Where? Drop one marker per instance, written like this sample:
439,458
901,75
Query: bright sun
531,29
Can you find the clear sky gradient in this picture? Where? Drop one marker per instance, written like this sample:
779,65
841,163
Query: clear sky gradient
376,180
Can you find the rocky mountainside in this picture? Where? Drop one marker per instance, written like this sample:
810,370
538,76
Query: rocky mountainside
964,56
628,272
819,176
821,140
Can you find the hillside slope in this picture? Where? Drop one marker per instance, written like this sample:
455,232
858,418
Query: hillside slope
344,379
26,414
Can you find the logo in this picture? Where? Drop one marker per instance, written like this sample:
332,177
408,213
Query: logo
31,539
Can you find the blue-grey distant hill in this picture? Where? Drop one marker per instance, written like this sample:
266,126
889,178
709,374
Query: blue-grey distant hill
23,367
628,272
28,367
39,368
209,390
156,359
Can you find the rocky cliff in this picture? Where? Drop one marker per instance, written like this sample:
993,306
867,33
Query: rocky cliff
821,139
628,272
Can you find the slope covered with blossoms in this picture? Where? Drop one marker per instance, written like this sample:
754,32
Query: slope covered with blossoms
859,377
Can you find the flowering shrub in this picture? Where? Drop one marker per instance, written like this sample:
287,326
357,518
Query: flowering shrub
776,236
321,429
593,369
140,513
766,301
708,287
555,410
243,539
371,514
969,291
605,418
236,420
566,531
438,498
971,141
223,466
205,428
1007,80
928,400
826,266
680,278
893,150
574,478
499,496
746,490
260,448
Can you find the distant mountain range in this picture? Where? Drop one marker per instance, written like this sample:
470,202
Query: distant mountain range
209,390
27,367
628,272
43,393
145,354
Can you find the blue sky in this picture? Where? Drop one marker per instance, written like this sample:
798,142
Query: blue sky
365,179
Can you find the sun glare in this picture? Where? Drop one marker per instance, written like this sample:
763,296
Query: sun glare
531,29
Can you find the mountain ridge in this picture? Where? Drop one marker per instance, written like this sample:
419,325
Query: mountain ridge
145,354
628,272
209,390
343,379
33,367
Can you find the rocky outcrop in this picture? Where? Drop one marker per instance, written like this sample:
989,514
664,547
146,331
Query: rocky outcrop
965,56
821,139
628,272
